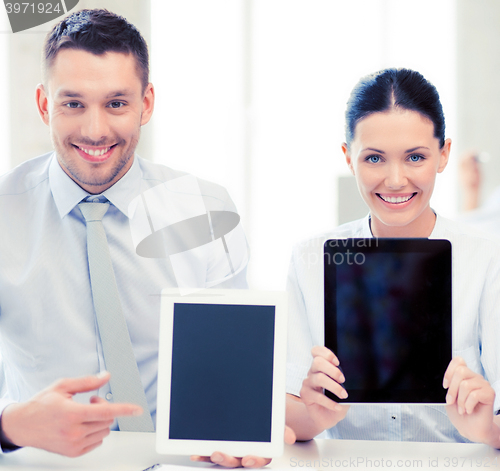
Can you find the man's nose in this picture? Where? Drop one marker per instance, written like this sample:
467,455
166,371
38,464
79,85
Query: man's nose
95,126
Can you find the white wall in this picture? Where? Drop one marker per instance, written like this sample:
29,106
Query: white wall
251,94
4,90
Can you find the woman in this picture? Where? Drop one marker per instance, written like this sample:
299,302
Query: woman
395,147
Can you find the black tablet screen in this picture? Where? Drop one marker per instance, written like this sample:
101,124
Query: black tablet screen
388,317
222,372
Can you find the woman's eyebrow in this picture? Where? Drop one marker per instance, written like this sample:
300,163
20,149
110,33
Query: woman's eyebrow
415,148
374,150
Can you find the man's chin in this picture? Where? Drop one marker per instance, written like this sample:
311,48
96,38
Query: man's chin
99,177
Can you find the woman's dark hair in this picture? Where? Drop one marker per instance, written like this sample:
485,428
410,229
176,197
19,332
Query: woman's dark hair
394,88
97,31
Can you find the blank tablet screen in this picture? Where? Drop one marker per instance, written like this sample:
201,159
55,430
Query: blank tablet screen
222,372
388,317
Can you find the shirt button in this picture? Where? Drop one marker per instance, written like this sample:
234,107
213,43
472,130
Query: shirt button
393,417
95,200
109,396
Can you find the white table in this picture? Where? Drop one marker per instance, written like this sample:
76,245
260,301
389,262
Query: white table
125,451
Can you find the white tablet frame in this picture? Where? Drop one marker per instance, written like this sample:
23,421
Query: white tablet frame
272,449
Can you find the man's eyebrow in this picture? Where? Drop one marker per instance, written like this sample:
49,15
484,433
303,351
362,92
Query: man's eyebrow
114,94
69,94
119,93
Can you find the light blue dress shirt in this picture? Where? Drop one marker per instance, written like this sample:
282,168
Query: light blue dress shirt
48,328
475,328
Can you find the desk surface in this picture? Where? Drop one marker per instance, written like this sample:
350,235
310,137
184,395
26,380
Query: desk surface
126,451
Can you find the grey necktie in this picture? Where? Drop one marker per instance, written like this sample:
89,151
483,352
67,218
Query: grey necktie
125,381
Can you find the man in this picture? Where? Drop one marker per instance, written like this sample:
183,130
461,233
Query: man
95,97
483,217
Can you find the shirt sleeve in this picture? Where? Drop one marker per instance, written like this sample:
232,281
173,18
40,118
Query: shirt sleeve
489,325
5,447
300,340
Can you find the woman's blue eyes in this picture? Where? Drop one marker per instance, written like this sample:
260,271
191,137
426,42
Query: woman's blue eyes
375,159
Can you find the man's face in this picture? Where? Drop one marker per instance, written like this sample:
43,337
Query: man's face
94,107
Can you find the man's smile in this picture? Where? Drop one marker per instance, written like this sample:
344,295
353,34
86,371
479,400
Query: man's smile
95,154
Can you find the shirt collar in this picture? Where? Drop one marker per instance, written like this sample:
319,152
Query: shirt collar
437,230
67,194
366,232
126,189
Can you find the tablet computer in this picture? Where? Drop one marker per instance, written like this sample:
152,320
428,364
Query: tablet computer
221,373
388,317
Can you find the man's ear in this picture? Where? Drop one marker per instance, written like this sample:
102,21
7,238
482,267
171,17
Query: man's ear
444,155
148,104
42,103
348,159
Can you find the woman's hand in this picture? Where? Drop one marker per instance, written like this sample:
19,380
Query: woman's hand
314,412
324,374
469,403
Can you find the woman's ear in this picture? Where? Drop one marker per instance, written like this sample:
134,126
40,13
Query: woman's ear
444,155
348,159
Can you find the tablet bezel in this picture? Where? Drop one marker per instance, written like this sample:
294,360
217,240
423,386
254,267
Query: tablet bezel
370,245
272,449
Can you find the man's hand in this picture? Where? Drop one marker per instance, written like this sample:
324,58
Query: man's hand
313,412
51,420
247,461
469,402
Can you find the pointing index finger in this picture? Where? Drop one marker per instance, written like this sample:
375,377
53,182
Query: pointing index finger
105,411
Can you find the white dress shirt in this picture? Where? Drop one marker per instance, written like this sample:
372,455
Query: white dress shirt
475,329
47,321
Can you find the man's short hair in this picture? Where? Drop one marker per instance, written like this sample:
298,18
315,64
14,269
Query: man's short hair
97,31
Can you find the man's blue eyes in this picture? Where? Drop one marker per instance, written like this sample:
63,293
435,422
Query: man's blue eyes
113,104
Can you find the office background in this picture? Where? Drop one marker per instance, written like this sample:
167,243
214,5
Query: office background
251,94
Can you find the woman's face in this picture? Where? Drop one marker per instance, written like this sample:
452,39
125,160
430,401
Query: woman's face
395,158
